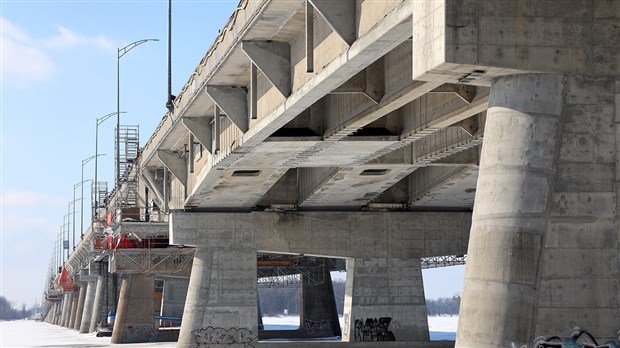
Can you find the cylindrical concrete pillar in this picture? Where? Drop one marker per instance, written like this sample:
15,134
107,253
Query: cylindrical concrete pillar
66,300
511,211
99,298
89,302
80,306
222,290
72,312
134,321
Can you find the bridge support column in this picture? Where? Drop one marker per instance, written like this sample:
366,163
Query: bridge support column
384,300
98,303
221,301
319,315
89,304
72,310
66,307
134,315
543,247
80,306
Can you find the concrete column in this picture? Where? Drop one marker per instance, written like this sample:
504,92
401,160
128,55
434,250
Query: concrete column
221,299
97,304
384,300
80,306
89,302
319,315
544,230
66,303
74,299
134,315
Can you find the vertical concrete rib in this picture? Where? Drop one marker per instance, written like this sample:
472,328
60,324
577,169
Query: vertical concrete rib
511,211
134,321
80,306
89,304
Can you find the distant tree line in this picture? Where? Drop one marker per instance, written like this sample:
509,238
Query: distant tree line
7,312
443,306
275,300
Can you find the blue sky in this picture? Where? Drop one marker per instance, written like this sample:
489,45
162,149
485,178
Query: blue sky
58,75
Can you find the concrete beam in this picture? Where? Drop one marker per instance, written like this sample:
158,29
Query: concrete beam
329,234
202,130
273,59
175,164
340,16
233,101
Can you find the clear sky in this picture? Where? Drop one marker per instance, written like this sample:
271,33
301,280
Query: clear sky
58,75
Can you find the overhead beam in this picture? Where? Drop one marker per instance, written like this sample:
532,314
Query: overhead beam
309,38
233,101
466,92
200,127
175,164
273,59
340,16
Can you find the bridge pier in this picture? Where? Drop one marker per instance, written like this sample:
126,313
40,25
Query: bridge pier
73,309
385,296
79,310
319,315
89,304
173,297
383,279
543,249
66,304
134,321
98,303
221,299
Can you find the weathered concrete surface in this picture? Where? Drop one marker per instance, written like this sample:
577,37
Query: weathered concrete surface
98,303
174,294
328,234
89,304
134,316
543,252
221,299
73,309
79,310
452,38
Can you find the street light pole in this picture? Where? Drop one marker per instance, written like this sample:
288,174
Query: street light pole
120,53
100,120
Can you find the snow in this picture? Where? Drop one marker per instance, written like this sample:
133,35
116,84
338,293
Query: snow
29,333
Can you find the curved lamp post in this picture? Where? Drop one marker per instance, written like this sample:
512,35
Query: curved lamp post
100,120
120,53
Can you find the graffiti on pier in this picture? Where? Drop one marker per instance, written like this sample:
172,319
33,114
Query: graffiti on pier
371,330
579,338
217,335
318,328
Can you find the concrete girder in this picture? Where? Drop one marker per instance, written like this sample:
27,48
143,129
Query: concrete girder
149,178
202,130
233,101
370,182
328,234
340,16
388,104
273,59
175,164
465,92
458,190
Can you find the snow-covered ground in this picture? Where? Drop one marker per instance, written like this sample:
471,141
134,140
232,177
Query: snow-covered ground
28,333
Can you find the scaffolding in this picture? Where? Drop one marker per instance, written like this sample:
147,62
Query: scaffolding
129,143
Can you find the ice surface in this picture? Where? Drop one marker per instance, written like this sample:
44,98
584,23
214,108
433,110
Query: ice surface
28,333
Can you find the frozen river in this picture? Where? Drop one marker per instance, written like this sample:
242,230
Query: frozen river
28,333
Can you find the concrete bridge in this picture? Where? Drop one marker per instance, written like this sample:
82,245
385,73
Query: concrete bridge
385,132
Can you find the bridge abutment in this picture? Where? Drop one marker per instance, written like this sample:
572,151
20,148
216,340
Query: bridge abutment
543,247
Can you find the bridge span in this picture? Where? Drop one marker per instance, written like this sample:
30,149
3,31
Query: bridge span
387,133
